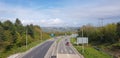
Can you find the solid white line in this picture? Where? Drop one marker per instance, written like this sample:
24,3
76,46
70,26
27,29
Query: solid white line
53,47
70,51
64,46
58,47
66,50
61,51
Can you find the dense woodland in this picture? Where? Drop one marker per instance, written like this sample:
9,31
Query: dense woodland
109,34
14,34
105,37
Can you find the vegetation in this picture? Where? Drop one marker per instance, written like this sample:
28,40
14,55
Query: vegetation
90,52
105,37
13,36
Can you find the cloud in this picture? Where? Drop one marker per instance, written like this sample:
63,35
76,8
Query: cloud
52,22
71,13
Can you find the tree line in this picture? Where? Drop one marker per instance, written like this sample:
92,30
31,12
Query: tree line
14,34
108,34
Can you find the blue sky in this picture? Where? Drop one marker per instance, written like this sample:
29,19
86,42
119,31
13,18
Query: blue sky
59,13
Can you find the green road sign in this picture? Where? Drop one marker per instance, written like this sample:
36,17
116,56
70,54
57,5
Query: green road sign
52,35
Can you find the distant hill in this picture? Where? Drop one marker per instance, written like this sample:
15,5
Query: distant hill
59,29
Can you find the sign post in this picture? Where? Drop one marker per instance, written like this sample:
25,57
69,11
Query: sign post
82,40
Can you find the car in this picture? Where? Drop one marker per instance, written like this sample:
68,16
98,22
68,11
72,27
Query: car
67,43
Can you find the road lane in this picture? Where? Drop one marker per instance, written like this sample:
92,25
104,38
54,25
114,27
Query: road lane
65,51
40,51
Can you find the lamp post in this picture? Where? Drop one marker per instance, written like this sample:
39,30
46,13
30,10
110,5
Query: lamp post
82,41
26,37
41,35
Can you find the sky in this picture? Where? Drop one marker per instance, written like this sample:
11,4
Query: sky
61,13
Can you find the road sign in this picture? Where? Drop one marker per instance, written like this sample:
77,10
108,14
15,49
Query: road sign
52,35
74,35
82,40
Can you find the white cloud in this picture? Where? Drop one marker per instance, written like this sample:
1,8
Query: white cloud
52,22
75,14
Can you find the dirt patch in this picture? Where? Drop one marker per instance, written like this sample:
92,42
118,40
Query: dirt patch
115,50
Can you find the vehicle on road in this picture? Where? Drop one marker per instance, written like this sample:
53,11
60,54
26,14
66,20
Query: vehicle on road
67,44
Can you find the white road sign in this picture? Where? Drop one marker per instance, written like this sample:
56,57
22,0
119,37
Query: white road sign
82,40
74,35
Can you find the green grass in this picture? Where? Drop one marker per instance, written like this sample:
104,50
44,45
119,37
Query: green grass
19,49
90,52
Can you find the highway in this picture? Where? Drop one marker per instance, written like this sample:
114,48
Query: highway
52,48
40,51
65,51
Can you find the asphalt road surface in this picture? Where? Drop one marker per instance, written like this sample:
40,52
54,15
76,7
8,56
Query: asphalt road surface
40,51
65,51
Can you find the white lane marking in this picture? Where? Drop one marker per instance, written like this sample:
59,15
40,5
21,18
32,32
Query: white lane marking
61,51
64,46
66,50
68,56
70,51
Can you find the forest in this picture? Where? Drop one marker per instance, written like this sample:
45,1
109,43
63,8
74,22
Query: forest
13,35
105,37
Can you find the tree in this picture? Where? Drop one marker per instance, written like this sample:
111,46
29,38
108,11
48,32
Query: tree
1,38
8,39
7,25
118,29
110,34
30,30
100,35
19,27
18,22
0,23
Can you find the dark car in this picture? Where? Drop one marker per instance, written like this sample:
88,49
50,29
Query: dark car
67,43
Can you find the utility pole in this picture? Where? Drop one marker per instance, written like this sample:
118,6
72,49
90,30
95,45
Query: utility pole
26,37
82,41
101,22
41,35
82,31
101,26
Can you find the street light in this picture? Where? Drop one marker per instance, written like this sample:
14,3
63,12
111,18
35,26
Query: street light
82,40
41,35
26,37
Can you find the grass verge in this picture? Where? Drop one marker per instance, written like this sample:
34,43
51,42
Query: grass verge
90,52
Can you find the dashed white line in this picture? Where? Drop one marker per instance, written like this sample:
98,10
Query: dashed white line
61,51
